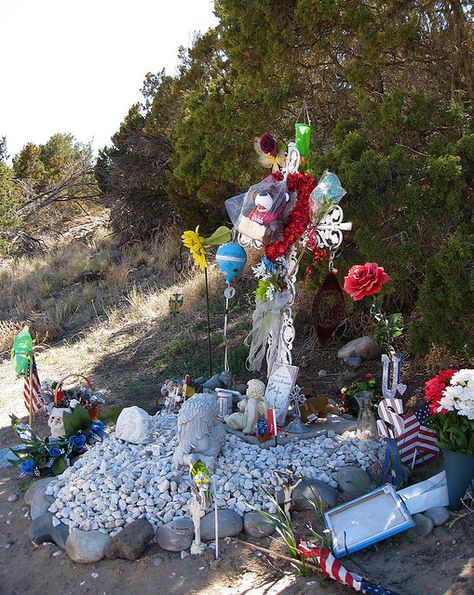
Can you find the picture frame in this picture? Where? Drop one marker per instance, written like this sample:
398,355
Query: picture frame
366,520
281,382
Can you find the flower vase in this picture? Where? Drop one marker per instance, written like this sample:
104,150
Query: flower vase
366,423
459,467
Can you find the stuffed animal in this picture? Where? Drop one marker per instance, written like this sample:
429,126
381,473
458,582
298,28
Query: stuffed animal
315,407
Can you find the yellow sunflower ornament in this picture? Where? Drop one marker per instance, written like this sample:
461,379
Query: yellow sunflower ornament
197,245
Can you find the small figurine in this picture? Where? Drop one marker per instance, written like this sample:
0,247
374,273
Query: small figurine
188,388
56,421
250,410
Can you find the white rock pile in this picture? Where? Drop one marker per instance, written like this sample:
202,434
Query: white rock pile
117,482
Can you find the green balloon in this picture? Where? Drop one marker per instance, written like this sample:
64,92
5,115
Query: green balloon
303,138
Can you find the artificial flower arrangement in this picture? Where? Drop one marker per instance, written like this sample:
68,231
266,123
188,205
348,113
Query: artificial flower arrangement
198,245
271,279
450,396
91,401
51,456
364,282
349,402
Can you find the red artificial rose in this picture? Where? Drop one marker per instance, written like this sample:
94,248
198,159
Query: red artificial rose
368,376
364,280
268,144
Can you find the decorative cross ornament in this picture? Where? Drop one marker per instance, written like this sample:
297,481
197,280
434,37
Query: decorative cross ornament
329,230
296,399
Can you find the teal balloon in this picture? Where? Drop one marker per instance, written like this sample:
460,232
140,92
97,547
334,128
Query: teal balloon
231,258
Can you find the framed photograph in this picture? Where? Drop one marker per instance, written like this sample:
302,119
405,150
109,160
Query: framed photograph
367,520
281,383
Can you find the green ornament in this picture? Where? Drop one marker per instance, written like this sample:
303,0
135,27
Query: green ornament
303,138
22,351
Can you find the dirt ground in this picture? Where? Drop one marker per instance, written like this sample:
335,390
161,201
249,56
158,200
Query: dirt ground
408,564
116,357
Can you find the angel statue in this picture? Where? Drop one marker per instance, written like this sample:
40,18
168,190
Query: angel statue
200,435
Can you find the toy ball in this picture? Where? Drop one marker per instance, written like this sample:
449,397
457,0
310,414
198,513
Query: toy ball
231,258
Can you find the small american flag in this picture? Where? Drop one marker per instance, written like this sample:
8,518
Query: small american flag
37,401
332,568
271,422
417,443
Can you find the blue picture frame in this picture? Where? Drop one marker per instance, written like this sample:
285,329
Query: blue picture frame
366,520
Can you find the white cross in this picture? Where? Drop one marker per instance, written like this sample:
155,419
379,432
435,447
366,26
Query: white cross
329,230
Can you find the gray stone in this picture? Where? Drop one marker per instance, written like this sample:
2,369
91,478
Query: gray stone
353,480
229,522
133,425
423,525
352,362
86,546
226,379
312,492
131,542
438,515
39,485
214,382
177,535
40,503
363,347
241,388
46,528
199,381
256,525
13,497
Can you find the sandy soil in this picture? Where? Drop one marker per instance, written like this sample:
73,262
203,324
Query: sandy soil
408,564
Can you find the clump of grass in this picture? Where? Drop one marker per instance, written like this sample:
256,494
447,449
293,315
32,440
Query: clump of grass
165,248
117,274
89,293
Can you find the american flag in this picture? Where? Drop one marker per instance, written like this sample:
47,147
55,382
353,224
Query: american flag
36,400
332,568
417,443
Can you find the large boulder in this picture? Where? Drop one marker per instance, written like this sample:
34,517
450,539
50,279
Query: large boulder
177,535
133,425
38,486
256,525
86,546
311,492
40,503
364,347
131,542
229,522
47,528
353,480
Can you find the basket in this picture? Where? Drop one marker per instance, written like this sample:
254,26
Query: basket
59,395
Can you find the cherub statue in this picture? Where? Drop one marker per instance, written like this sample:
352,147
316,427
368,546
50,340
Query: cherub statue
200,435
249,410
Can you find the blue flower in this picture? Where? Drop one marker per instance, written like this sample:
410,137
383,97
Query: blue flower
55,452
28,467
78,441
98,428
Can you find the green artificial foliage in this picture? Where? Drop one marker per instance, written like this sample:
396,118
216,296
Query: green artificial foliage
76,421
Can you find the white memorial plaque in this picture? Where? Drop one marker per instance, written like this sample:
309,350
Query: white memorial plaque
280,385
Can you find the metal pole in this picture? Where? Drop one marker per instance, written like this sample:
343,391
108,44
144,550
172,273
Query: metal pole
208,324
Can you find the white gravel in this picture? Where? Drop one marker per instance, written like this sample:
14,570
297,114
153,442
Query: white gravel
115,482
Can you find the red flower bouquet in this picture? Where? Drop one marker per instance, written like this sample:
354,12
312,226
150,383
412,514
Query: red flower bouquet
434,390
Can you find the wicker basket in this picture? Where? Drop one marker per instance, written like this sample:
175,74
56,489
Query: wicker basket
58,393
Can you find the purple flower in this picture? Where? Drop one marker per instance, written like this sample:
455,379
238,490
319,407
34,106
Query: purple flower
268,144
28,467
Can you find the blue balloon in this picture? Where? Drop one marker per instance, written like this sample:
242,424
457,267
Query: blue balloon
231,258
